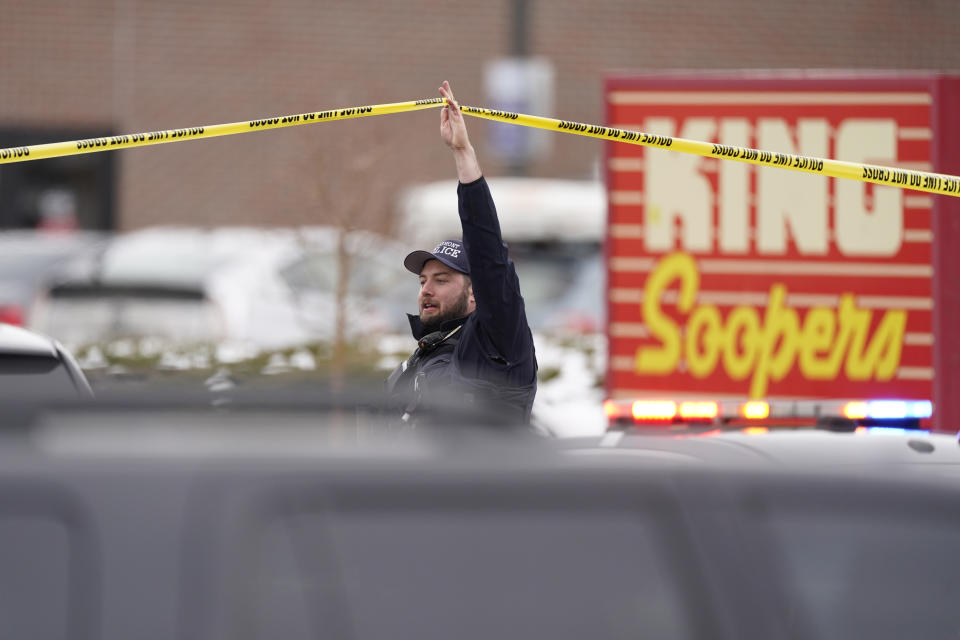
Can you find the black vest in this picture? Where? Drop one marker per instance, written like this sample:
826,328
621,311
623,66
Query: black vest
430,381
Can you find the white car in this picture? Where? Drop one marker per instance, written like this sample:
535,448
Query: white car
28,258
269,287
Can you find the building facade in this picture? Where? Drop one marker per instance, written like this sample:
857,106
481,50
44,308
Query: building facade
70,70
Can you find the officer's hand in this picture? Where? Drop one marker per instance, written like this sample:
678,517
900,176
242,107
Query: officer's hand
453,129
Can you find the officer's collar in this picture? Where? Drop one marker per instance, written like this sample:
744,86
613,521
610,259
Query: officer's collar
418,330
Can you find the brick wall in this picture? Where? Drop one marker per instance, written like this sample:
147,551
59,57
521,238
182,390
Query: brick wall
138,65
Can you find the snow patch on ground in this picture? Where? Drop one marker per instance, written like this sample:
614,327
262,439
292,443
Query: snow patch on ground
569,398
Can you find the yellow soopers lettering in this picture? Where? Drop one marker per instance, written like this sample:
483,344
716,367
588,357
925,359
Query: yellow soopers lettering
763,347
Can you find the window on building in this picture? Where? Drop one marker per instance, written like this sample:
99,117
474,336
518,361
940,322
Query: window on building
74,192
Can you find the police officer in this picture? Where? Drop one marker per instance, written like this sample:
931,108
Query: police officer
474,347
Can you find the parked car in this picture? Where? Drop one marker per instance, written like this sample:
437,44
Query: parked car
270,287
28,259
35,367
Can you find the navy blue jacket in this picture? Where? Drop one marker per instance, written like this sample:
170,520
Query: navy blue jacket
491,360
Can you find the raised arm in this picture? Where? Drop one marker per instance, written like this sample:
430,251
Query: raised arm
500,308
453,130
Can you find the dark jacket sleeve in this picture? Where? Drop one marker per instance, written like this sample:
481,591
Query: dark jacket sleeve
501,314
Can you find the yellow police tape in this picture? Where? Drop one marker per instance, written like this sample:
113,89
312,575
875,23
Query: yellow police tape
59,149
903,178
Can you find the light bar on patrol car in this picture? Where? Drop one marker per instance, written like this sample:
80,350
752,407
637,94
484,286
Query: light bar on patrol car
663,412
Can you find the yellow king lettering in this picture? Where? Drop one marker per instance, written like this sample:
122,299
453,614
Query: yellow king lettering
888,342
740,343
764,351
664,359
781,326
819,328
704,321
856,322
882,355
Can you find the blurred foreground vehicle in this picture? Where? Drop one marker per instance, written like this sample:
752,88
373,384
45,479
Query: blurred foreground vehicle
33,366
272,288
264,521
28,259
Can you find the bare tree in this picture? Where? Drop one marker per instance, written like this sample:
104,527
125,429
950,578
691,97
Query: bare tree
352,189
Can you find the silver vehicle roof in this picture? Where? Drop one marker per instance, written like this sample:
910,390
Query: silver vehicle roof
18,341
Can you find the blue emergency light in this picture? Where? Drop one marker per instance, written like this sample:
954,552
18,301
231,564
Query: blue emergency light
899,409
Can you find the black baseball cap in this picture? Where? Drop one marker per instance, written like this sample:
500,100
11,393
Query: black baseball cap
449,252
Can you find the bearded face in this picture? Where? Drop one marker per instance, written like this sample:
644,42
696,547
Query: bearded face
445,294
